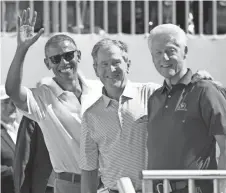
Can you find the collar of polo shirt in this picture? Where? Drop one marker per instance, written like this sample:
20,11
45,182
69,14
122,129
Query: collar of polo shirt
185,80
57,90
128,93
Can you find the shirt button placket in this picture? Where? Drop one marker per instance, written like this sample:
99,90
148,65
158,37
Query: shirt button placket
120,113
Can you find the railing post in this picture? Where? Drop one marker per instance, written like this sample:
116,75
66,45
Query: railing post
187,9
214,21
191,186
160,12
17,10
174,12
2,16
119,16
133,17
146,16
215,186
46,17
78,16
63,16
55,14
92,15
200,17
31,5
166,186
147,186
105,14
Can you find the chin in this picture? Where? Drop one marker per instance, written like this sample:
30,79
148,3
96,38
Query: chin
168,74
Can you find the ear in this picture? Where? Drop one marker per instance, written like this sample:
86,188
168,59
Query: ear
128,66
79,55
47,63
95,69
185,51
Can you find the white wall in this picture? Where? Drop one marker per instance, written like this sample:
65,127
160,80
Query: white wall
204,53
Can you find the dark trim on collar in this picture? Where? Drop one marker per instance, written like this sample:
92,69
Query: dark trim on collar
185,80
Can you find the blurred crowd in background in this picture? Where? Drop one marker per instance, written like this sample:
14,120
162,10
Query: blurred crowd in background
9,23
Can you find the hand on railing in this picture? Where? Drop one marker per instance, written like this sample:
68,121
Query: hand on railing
25,31
125,185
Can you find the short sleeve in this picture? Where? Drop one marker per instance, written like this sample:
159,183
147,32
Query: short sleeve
151,88
213,109
35,105
88,147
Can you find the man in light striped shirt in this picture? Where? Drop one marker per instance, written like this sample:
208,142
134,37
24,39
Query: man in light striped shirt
114,128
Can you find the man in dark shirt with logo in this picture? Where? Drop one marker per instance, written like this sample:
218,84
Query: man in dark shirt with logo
186,119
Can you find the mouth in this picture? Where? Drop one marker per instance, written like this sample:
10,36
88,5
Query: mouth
66,69
167,66
112,77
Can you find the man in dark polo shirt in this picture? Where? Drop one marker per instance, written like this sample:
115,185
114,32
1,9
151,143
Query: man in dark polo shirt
186,119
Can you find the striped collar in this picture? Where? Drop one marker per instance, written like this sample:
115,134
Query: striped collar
57,90
128,93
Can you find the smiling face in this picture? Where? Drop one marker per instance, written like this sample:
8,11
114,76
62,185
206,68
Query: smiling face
168,55
8,111
111,67
65,67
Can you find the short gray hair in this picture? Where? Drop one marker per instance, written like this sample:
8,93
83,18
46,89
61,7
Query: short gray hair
107,43
170,29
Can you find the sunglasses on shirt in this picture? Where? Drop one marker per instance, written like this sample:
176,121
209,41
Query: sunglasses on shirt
68,56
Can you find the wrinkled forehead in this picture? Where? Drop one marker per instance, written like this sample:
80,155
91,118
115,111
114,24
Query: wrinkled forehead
60,47
163,39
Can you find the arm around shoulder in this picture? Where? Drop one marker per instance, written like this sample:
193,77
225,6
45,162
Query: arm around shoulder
89,181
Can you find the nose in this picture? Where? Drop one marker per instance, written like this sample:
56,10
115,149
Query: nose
166,57
112,68
63,61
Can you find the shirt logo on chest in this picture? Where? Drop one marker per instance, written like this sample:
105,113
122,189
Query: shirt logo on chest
181,107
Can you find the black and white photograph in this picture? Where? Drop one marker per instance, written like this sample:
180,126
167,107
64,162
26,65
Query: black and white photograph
113,96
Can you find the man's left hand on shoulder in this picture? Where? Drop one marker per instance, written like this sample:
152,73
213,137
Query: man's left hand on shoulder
204,75
201,75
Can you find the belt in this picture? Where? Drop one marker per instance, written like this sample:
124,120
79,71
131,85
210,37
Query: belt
71,177
116,191
173,186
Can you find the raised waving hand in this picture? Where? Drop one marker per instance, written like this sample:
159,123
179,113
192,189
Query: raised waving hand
25,30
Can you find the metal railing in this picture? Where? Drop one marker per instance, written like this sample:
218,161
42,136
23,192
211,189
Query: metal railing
55,15
149,175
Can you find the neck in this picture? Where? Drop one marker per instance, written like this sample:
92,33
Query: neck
73,85
116,92
175,79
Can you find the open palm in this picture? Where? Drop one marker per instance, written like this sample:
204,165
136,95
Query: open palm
25,36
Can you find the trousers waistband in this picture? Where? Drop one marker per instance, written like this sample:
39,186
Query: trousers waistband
116,191
71,177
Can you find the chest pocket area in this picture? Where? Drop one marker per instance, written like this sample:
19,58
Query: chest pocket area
141,123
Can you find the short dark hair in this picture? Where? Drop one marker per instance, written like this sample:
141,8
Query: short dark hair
58,38
107,43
